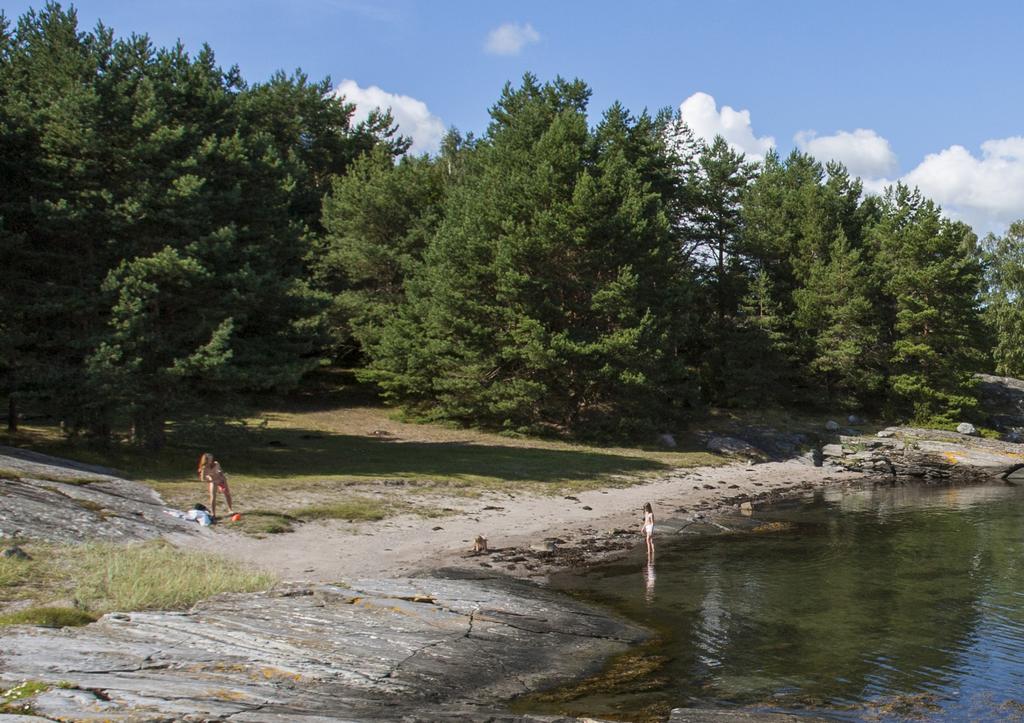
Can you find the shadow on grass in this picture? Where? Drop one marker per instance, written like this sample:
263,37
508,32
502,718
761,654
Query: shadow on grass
298,452
303,453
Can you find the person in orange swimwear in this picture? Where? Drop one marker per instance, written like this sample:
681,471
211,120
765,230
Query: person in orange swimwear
211,473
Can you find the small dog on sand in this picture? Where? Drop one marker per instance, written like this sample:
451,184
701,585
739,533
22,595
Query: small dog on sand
480,544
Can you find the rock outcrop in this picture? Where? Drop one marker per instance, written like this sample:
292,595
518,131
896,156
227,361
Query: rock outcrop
428,649
45,498
1002,398
927,454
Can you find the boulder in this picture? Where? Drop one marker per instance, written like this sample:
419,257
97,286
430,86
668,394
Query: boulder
966,428
832,450
832,425
854,420
667,440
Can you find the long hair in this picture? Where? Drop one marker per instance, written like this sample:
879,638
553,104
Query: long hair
205,459
647,508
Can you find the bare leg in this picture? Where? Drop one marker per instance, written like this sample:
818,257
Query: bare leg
227,496
213,500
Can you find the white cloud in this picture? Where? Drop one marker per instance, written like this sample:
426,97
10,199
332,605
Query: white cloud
863,152
510,38
986,192
413,117
700,111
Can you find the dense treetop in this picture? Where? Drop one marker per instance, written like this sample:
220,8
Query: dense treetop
172,236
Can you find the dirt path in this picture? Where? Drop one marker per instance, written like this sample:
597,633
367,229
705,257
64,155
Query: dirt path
407,545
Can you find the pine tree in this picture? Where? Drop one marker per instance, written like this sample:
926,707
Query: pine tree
931,271
835,313
755,351
378,220
1004,299
546,296
724,176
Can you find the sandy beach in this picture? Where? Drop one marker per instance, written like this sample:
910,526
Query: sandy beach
409,545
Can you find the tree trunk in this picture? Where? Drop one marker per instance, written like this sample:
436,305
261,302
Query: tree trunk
149,429
12,415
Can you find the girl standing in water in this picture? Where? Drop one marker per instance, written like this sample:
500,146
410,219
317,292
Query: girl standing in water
211,473
648,529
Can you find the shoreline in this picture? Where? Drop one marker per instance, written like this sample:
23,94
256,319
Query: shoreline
528,537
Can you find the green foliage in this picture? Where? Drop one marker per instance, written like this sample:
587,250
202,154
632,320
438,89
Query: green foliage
175,239
155,224
378,218
933,275
835,311
546,297
755,351
1004,299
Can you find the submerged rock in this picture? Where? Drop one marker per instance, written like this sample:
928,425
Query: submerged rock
376,649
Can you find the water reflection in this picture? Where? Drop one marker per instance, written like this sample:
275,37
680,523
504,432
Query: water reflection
871,596
649,580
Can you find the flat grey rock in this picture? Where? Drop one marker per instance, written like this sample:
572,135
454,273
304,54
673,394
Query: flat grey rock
373,650
56,500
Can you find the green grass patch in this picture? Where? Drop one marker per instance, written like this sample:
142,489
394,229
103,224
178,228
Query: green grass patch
14,573
261,522
103,577
355,509
11,699
48,617
155,576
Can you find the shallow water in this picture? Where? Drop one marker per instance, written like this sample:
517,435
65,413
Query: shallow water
871,603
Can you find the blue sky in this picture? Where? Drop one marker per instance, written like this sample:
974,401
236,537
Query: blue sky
928,92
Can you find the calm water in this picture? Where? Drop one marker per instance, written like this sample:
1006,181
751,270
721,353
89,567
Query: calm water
875,604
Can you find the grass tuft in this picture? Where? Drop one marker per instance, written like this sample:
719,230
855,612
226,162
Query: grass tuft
48,617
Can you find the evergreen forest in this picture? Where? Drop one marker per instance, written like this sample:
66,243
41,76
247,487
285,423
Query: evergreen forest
174,238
